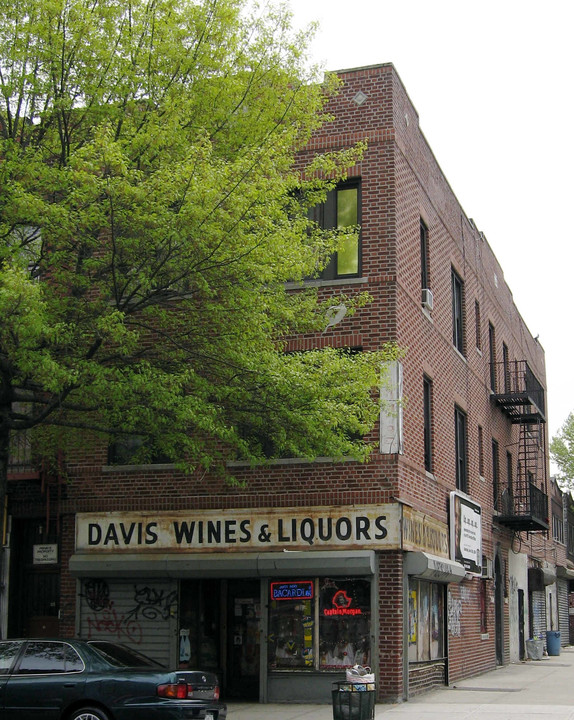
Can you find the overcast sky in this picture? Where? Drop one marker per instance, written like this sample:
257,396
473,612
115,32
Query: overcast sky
492,83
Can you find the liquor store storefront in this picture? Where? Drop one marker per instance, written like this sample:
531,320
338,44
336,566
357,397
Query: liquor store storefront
277,601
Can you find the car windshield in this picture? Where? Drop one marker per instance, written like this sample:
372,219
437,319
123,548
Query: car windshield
122,656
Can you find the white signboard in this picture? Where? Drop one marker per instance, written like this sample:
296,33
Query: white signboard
370,527
466,532
45,554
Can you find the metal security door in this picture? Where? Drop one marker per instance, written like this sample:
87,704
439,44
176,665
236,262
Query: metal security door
139,613
563,612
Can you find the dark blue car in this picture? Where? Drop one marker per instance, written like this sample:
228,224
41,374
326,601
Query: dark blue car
76,680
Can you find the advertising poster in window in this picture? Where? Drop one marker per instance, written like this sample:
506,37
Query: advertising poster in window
466,532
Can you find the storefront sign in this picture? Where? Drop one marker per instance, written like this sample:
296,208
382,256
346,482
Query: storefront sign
298,590
330,528
466,532
424,533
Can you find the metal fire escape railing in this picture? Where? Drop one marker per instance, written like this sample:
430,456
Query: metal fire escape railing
21,461
24,465
523,503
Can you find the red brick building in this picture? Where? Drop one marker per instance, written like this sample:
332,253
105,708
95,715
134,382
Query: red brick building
430,563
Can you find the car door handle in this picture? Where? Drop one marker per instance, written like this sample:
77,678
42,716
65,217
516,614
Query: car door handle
69,685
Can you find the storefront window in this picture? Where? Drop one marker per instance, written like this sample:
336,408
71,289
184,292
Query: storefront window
344,624
319,623
426,624
291,624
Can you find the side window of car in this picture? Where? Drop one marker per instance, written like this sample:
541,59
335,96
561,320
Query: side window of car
8,652
43,657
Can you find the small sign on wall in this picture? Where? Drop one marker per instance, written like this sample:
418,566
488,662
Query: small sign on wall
45,554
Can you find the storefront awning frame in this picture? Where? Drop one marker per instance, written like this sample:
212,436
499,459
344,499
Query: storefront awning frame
434,568
223,565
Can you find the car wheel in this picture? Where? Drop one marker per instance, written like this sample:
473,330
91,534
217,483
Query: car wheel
88,713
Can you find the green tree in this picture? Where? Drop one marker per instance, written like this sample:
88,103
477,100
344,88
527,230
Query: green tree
152,211
562,452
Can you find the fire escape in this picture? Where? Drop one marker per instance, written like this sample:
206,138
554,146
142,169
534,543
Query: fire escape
24,466
523,503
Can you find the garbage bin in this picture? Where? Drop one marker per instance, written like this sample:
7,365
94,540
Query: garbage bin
553,642
534,649
353,701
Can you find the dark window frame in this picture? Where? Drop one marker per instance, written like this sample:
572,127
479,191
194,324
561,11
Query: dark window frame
326,216
427,420
457,311
495,473
424,239
461,449
124,450
480,451
477,324
492,355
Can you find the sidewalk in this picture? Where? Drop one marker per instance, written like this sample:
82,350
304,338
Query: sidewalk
530,690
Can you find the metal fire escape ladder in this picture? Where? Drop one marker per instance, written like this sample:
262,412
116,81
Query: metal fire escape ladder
523,504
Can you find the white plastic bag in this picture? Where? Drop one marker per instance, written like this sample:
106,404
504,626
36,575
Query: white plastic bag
359,674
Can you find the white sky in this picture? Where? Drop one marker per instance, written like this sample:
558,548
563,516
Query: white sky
492,82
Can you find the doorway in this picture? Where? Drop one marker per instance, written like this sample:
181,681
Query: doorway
34,601
498,610
521,637
243,640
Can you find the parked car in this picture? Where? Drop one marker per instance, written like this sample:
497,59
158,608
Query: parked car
77,680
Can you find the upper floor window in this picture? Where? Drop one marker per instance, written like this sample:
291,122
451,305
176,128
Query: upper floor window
506,367
557,522
427,411
342,209
461,449
424,256
133,450
457,312
492,355
495,474
477,325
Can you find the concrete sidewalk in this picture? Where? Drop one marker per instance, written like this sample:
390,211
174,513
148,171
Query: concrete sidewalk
530,690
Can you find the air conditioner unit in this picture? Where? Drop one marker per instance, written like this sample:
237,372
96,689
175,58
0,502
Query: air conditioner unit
486,570
427,299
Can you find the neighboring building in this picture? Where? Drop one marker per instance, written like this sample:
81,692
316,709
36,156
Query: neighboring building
436,560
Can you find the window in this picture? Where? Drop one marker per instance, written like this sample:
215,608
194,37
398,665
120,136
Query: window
325,630
480,452
8,652
557,522
477,325
457,313
495,474
342,209
506,365
426,621
41,657
492,356
132,450
483,608
460,431
427,412
424,255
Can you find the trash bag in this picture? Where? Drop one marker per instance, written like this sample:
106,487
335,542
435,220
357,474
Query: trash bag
359,674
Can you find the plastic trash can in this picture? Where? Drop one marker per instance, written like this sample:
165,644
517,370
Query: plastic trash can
553,642
353,701
534,649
